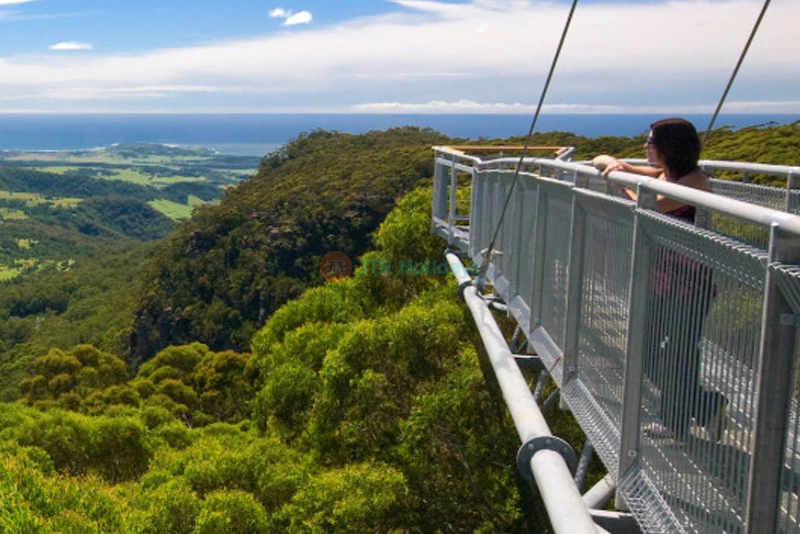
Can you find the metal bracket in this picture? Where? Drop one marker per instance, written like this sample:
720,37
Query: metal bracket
528,361
551,399
549,443
789,319
463,287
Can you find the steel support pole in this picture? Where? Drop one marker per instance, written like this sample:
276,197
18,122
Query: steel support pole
474,211
574,290
566,509
539,234
439,191
634,353
601,493
540,383
774,388
519,233
453,189
792,185
583,464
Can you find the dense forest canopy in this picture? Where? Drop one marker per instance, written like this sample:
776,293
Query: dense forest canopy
218,277
212,382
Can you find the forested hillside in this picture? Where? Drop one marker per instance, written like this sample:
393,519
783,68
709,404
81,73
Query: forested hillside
351,406
217,278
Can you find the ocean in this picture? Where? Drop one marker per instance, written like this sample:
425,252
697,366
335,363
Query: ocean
259,134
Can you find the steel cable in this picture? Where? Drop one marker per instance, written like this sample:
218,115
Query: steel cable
489,250
735,71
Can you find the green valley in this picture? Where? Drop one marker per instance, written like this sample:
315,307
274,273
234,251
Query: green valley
202,377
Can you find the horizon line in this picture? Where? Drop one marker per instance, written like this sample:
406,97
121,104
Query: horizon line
389,113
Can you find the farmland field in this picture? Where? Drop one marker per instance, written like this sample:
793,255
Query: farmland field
52,202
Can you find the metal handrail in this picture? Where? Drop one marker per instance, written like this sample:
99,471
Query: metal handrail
737,166
735,208
741,210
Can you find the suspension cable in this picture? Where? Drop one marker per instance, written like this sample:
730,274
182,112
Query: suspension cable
488,255
735,71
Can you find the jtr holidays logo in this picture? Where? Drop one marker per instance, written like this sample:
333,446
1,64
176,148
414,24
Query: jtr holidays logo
337,265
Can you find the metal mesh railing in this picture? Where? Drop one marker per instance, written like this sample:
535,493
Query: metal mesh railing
604,303
666,337
552,297
525,205
703,334
762,195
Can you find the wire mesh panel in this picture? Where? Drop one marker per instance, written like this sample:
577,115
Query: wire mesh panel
503,252
747,233
480,216
452,199
556,256
762,195
702,339
439,216
525,203
793,201
494,199
604,304
594,394
441,182
463,196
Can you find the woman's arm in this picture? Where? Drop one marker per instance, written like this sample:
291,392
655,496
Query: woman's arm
610,164
696,180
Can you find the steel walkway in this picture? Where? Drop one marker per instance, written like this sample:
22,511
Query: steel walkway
578,269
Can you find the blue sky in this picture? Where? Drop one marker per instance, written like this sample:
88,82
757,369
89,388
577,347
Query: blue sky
385,56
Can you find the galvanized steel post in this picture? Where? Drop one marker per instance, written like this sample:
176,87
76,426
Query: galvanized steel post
773,391
634,353
453,189
574,289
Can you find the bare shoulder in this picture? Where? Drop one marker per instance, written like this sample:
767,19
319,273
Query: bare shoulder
696,179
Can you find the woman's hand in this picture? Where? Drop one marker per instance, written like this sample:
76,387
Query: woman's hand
609,164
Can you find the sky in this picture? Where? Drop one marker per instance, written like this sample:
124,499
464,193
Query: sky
395,56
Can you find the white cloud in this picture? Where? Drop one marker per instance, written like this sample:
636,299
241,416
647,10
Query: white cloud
10,2
430,52
71,45
20,15
143,91
303,17
471,106
443,106
292,19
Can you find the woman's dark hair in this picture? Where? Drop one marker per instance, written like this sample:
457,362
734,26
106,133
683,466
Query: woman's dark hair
678,145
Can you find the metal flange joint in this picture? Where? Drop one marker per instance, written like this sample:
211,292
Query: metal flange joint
550,443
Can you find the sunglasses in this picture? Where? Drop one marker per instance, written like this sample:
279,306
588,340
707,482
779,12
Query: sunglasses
650,140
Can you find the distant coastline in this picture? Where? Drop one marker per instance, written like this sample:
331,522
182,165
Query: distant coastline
259,134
